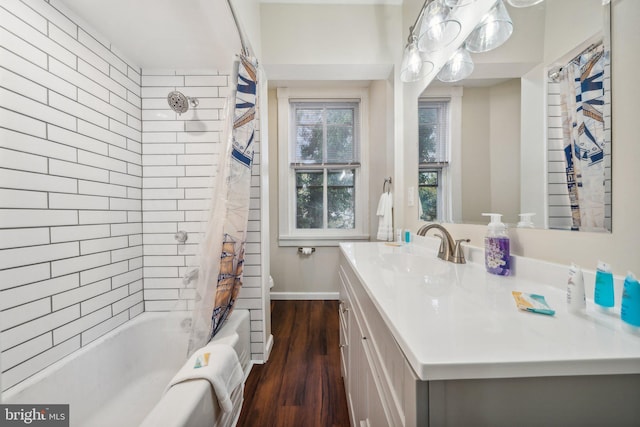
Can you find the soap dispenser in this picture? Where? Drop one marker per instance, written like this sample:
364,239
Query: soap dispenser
525,220
496,247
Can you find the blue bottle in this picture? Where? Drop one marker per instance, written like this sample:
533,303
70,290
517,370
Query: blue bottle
603,293
630,312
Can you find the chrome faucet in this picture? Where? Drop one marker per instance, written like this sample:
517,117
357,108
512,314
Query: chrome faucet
450,249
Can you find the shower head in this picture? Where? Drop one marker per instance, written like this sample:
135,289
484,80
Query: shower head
180,103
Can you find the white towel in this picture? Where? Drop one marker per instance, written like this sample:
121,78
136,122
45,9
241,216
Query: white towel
385,220
218,364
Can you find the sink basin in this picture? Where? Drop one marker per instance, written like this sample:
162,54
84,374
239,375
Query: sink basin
418,269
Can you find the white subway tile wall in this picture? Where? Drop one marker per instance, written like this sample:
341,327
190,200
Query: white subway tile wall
179,162
97,174
70,188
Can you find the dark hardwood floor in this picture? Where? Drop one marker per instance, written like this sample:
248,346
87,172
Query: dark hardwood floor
300,385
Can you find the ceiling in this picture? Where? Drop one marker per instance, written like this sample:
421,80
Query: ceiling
174,34
187,34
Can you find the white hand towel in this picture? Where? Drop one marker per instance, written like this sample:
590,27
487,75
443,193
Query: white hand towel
218,364
385,217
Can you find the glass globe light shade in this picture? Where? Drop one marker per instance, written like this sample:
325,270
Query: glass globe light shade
437,28
494,29
414,66
459,67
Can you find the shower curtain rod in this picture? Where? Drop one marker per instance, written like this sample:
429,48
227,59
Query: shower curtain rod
553,73
246,46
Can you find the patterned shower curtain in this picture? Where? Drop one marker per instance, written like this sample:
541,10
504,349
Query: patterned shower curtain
582,101
222,250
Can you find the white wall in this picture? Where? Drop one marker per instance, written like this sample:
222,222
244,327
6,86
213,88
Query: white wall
331,34
70,188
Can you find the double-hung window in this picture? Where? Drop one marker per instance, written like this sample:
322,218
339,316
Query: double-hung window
433,155
322,190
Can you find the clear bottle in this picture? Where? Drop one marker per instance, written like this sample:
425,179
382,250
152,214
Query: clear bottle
497,258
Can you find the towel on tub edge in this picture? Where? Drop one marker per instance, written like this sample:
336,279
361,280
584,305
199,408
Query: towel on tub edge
218,364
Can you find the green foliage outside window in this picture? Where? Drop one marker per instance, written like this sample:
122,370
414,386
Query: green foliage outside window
325,135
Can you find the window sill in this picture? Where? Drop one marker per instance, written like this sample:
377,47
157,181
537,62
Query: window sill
289,241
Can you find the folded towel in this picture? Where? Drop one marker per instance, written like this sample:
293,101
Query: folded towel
218,364
385,220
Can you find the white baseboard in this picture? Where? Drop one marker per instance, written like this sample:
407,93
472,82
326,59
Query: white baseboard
305,295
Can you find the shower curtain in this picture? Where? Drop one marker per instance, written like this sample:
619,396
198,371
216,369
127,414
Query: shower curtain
582,103
222,250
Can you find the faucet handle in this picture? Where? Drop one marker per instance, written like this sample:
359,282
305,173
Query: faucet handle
443,251
458,255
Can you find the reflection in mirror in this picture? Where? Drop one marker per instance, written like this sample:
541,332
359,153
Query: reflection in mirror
525,145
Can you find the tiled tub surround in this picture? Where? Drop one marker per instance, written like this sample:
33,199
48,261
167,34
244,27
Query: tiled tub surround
72,194
180,158
70,188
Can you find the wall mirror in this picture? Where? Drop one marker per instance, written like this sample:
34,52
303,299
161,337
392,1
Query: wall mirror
509,120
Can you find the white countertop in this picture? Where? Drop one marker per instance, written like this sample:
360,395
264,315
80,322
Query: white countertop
460,322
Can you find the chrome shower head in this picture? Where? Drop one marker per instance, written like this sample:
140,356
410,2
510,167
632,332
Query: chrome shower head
180,103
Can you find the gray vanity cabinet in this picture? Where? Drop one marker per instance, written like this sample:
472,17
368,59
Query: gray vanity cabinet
382,389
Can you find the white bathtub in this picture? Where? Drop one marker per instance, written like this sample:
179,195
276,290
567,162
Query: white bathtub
119,379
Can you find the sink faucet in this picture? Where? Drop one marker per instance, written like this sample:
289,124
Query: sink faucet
450,250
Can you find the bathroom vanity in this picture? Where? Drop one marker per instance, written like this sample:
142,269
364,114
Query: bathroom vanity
425,342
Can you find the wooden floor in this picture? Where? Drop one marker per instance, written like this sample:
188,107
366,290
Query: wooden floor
300,385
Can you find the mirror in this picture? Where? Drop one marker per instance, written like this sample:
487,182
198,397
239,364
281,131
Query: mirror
509,149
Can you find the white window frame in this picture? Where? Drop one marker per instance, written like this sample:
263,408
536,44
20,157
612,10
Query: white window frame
450,208
288,234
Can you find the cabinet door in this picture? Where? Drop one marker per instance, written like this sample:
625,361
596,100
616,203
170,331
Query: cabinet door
357,369
345,324
376,416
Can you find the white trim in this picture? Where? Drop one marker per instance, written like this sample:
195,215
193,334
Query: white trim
265,235
288,236
305,296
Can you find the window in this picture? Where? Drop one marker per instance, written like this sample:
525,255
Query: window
433,154
322,180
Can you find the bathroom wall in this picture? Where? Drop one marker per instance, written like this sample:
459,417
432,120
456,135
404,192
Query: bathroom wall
70,187
181,154
363,40
490,159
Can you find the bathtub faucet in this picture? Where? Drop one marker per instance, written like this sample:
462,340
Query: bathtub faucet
450,249
189,276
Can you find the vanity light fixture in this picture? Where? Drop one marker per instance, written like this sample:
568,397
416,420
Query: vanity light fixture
414,66
459,67
494,29
437,28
